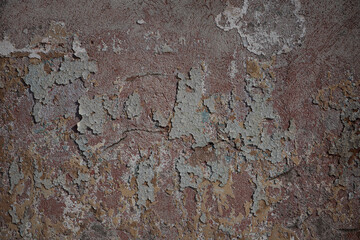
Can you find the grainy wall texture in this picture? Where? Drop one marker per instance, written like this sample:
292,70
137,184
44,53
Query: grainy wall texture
130,119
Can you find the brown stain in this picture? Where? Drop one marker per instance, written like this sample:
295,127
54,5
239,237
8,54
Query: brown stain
280,233
222,193
11,72
325,96
207,229
253,69
49,56
202,155
262,212
26,206
150,220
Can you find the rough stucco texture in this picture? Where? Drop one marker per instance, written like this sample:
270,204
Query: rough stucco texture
180,119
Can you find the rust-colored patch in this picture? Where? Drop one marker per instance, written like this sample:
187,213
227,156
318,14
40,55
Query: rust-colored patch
253,69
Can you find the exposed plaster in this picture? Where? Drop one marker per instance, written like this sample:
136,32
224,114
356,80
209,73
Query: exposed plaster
266,28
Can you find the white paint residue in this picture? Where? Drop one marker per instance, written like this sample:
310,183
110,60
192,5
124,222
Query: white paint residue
78,50
116,46
140,22
6,48
72,208
233,69
266,28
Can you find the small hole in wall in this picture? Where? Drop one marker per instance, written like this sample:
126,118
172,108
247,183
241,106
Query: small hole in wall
92,42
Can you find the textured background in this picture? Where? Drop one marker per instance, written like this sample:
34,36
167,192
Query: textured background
180,119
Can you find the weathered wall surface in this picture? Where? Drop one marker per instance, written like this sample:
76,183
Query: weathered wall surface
180,119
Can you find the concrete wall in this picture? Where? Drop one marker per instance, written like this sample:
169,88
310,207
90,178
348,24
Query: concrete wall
180,119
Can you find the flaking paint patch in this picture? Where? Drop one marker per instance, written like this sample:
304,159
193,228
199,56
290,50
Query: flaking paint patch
41,82
210,104
133,106
188,119
101,199
347,145
7,48
253,133
258,196
15,174
219,172
81,142
350,139
190,176
145,175
92,113
112,107
160,119
38,178
14,217
38,46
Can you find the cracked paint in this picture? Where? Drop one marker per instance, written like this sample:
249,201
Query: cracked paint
179,120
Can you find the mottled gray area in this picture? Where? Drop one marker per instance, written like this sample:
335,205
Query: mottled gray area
92,113
350,139
145,174
189,176
133,106
254,134
112,107
188,119
38,179
219,172
15,174
265,27
41,82
160,119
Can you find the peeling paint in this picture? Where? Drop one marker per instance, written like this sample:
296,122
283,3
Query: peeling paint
15,174
144,182
189,176
133,106
129,124
41,82
93,114
187,119
253,132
